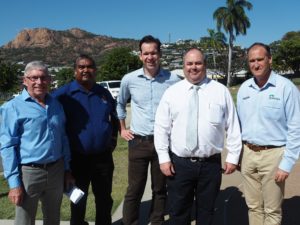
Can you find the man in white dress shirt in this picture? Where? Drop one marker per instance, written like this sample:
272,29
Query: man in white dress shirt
195,171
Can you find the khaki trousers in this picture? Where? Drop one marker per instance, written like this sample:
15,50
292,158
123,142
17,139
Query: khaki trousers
263,195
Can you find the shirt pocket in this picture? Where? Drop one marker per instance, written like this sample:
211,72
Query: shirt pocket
216,113
272,110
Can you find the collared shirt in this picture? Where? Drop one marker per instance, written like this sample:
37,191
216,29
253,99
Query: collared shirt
30,133
145,94
217,114
91,117
271,116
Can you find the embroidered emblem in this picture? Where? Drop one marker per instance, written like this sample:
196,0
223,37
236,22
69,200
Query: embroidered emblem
272,97
104,99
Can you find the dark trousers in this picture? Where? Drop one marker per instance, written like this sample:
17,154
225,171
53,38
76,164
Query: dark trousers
141,153
98,170
199,180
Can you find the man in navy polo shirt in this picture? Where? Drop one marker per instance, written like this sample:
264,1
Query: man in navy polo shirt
92,128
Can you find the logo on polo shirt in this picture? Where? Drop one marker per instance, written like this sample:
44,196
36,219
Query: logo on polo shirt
104,99
272,97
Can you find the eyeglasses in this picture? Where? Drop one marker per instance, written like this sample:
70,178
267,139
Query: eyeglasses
81,67
35,78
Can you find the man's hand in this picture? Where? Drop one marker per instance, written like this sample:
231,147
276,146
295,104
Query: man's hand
69,181
281,175
229,168
167,169
127,134
15,195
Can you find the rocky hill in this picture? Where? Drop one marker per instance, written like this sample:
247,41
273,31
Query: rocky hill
59,47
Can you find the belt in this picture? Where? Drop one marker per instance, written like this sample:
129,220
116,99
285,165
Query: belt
144,138
200,159
41,166
257,148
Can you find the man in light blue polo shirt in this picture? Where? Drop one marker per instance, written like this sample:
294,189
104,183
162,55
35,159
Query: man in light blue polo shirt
269,111
145,87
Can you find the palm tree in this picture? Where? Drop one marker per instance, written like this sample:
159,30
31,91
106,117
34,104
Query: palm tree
232,18
215,41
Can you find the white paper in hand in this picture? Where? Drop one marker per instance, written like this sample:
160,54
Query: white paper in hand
75,194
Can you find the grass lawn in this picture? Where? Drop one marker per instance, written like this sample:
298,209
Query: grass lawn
233,90
119,187
296,81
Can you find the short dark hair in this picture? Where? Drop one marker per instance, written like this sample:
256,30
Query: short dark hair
150,39
266,47
83,56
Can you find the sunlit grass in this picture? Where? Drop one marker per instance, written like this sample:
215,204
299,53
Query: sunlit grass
119,186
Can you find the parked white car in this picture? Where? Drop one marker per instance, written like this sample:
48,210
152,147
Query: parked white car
113,86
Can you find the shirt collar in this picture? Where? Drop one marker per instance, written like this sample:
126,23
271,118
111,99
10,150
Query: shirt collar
202,84
26,96
75,86
142,74
271,82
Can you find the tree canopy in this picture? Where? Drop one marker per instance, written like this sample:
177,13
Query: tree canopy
232,19
10,75
63,76
286,53
117,63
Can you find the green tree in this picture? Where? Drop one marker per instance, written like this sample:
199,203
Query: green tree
234,21
286,53
118,62
215,42
10,75
63,77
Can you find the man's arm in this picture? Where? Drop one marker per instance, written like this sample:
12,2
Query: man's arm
292,148
125,133
233,139
162,131
9,142
123,97
115,125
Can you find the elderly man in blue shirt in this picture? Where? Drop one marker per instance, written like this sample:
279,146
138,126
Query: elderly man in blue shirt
35,148
145,87
268,107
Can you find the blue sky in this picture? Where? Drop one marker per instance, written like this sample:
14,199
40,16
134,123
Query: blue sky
182,19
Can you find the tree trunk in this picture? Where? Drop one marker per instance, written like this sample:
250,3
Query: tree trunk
215,65
230,47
